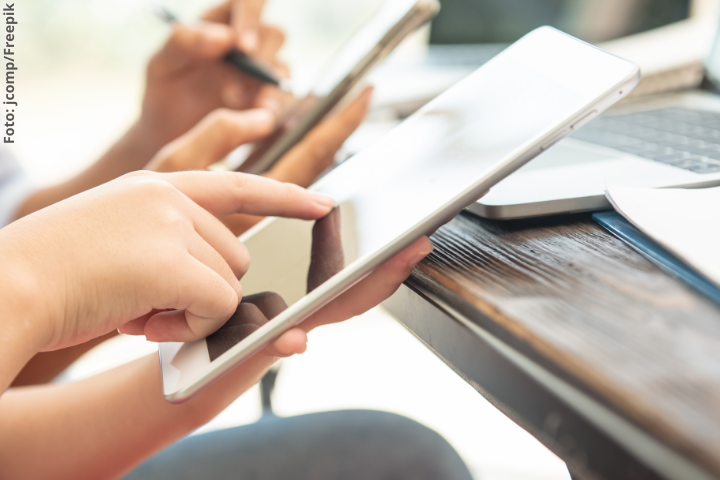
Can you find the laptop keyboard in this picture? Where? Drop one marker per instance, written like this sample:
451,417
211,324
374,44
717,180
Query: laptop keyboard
683,138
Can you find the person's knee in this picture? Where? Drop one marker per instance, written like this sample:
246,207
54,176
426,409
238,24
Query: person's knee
348,444
382,444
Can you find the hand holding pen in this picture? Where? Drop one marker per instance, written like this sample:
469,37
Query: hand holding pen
239,60
187,78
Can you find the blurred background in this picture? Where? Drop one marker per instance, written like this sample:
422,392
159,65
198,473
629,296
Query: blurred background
502,21
82,61
79,85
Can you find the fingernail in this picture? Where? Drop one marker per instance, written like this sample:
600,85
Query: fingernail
250,40
324,200
418,258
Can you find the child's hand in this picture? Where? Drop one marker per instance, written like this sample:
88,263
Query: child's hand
118,255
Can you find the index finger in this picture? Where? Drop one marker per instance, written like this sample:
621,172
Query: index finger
245,20
190,42
219,13
224,193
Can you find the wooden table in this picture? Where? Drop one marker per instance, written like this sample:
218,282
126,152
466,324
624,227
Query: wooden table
608,361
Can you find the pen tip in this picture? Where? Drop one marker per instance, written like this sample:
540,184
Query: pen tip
163,13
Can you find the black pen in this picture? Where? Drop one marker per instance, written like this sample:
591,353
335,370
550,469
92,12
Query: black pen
235,57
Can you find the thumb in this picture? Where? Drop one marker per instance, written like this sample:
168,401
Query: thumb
218,134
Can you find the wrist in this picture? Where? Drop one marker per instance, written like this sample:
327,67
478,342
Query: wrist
138,146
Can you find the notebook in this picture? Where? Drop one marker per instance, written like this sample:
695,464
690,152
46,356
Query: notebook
685,222
625,231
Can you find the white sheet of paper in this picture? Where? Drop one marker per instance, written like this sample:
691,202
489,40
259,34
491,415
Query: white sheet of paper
684,221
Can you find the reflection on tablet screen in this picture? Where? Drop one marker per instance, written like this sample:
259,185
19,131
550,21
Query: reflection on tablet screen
326,259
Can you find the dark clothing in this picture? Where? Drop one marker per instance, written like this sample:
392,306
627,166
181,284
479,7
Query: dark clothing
341,445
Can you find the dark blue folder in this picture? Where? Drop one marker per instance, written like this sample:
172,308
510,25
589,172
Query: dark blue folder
625,231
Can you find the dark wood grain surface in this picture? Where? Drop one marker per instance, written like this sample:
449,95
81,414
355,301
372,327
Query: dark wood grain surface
582,303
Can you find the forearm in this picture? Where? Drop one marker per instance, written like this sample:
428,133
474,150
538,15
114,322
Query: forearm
103,426
90,429
45,366
132,152
23,331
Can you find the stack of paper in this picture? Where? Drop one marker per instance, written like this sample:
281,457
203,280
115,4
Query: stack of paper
684,221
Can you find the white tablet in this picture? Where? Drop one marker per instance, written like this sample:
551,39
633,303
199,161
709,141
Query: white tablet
404,186
375,40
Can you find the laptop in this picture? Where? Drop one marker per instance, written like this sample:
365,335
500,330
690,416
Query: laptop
668,140
471,32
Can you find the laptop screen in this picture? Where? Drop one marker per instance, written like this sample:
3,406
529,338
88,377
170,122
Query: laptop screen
504,21
712,64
